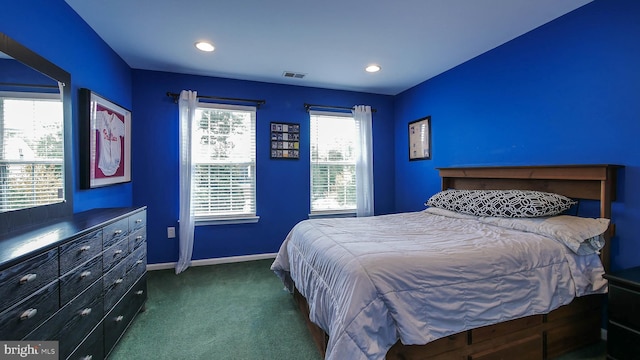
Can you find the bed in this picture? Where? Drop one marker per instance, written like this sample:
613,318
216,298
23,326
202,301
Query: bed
444,284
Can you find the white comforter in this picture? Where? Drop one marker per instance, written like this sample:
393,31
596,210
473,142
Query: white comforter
420,276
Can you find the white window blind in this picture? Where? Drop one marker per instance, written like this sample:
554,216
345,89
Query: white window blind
31,150
333,162
224,158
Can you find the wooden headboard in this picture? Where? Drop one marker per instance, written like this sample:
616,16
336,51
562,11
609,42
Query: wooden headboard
593,182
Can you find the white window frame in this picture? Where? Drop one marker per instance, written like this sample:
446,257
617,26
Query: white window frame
335,212
230,217
35,96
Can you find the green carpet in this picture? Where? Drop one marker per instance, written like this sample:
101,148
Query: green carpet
233,311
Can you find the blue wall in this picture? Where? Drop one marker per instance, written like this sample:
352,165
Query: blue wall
567,92
282,185
53,30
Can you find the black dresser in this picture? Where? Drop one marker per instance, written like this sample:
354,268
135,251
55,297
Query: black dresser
623,330
79,280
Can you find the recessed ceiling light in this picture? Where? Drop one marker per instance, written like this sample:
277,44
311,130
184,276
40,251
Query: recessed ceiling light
204,46
372,68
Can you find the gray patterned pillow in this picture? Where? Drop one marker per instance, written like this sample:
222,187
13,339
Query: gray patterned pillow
502,203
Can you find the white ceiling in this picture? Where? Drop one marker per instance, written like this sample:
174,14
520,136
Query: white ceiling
331,41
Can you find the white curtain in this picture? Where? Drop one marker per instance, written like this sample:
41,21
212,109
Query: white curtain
364,160
187,107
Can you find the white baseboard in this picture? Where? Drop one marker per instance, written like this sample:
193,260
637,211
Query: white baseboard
603,334
214,261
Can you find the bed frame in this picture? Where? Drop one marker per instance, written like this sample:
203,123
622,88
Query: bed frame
533,337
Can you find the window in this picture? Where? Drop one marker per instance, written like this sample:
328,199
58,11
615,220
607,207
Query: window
333,163
31,150
224,158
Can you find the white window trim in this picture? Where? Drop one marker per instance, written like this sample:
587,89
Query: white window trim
318,214
30,95
331,113
208,220
38,96
222,220
227,106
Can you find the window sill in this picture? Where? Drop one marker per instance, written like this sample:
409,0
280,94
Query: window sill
332,214
227,221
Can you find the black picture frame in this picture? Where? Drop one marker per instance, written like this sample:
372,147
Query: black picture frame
285,141
102,120
420,139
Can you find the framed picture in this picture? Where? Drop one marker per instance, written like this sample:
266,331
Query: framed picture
420,139
105,141
285,140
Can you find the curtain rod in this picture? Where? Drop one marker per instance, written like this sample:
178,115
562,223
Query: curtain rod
223,99
316,106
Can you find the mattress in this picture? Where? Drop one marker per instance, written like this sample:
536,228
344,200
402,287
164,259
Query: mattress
420,276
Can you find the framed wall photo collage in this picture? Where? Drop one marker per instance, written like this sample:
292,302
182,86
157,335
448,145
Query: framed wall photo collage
285,140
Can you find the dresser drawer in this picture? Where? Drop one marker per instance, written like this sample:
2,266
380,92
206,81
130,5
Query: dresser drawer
527,348
136,264
73,283
139,291
486,333
138,238
115,285
112,256
137,221
622,343
115,232
71,324
91,347
21,319
118,319
624,306
80,250
19,281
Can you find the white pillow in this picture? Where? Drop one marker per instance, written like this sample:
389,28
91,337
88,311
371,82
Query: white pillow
449,213
583,236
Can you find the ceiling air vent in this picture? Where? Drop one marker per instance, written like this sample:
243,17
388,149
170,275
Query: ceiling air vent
295,75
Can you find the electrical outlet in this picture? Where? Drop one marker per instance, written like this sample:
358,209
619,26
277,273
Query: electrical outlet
171,232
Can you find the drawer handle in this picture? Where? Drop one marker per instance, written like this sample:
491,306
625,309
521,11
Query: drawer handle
138,221
117,232
118,281
85,274
119,318
85,248
117,252
139,262
139,292
88,357
29,277
139,237
28,314
85,312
